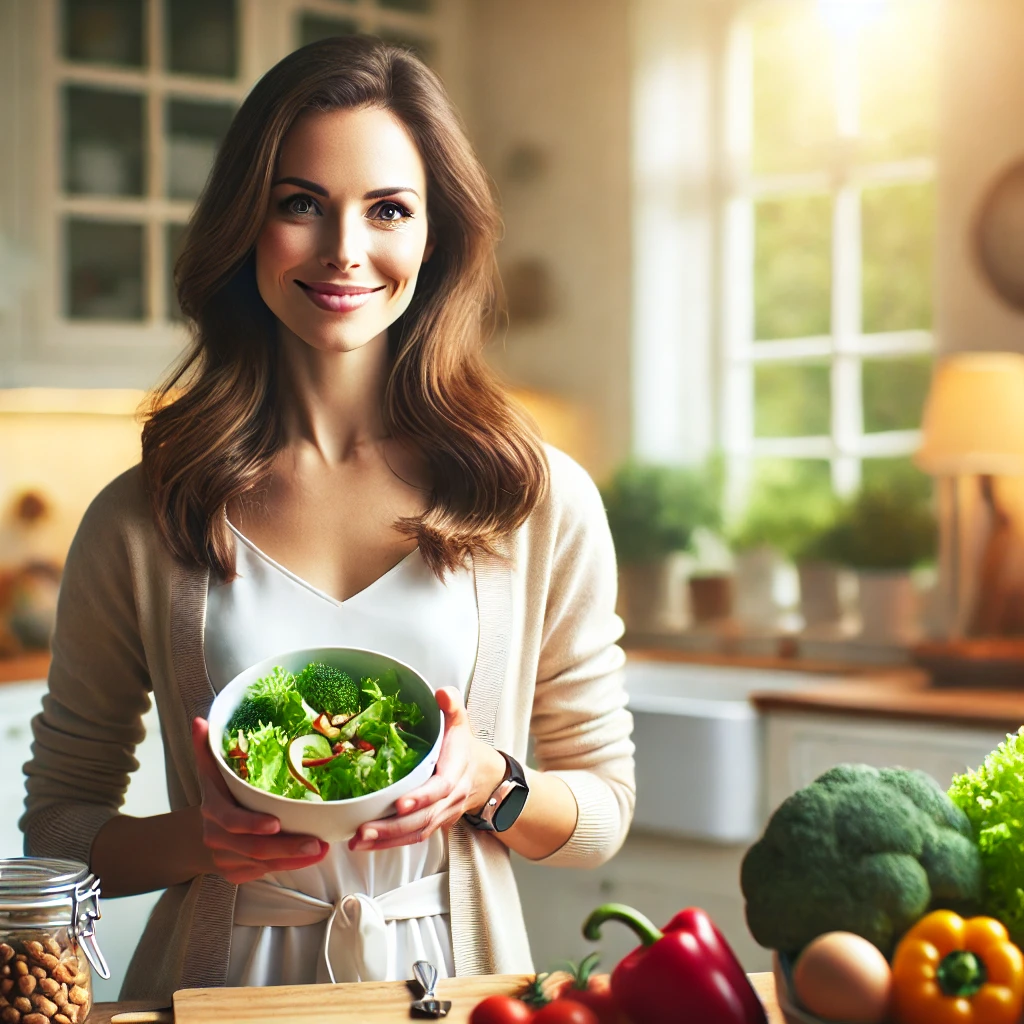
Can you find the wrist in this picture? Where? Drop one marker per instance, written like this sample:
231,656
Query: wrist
491,771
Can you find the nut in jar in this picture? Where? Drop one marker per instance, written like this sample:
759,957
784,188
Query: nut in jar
48,910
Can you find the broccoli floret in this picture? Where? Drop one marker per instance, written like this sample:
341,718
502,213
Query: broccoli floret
328,689
252,713
862,850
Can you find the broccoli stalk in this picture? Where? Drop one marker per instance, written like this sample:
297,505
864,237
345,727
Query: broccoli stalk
328,689
862,850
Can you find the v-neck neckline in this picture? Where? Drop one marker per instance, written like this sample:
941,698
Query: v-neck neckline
295,578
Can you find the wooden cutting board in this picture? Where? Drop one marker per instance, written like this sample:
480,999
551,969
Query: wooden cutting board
385,1002
369,1003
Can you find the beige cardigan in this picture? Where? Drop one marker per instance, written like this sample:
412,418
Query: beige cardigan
130,623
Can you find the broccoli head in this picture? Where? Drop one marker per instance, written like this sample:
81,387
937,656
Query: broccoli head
328,689
862,850
252,712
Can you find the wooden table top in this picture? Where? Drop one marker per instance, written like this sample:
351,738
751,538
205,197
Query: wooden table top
365,1003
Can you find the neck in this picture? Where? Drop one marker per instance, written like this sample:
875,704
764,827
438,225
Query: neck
333,401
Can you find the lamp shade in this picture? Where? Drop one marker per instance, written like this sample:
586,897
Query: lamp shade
974,416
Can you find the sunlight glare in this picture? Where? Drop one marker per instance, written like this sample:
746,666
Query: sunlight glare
848,17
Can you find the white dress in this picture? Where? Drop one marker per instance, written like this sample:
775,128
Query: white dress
357,915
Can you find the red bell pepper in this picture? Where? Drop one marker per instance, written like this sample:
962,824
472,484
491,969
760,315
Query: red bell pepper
683,975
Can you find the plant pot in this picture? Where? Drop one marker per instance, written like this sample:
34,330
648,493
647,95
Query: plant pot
710,598
652,595
755,582
888,605
820,593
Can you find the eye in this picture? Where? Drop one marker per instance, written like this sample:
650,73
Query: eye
299,205
391,212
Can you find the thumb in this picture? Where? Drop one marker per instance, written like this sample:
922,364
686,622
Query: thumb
449,700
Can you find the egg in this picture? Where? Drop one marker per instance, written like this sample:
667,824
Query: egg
842,977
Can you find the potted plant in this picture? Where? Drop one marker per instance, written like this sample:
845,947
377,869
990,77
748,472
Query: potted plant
653,511
882,534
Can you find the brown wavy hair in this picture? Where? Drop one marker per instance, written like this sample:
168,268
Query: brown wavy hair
214,426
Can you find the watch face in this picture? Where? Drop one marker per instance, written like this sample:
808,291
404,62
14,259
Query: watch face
505,816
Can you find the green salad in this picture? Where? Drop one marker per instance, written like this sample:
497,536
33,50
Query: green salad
319,735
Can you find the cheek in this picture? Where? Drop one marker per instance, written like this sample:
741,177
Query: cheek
279,248
399,255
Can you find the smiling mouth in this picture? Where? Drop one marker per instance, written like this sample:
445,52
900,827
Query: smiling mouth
338,298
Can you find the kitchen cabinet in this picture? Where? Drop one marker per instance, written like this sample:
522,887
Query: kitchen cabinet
799,747
123,919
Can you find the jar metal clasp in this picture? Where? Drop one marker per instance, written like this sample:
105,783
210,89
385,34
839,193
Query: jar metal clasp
85,912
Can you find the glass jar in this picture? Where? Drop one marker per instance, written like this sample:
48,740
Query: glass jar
48,911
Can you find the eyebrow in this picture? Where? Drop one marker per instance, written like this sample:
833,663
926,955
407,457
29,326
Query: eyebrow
312,186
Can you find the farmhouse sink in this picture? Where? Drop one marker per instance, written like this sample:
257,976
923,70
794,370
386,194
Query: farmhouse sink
699,757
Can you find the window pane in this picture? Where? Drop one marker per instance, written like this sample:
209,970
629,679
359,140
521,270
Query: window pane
416,6
103,142
312,28
792,400
104,271
423,48
175,242
104,31
202,37
898,474
899,81
794,91
195,131
898,233
894,391
792,267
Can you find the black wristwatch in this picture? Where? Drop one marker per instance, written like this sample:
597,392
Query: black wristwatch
506,803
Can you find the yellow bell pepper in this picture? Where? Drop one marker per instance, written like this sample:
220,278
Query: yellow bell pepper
947,970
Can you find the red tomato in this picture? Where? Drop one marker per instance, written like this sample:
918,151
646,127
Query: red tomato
565,1011
597,996
501,1010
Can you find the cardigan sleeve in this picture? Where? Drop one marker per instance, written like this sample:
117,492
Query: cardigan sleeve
580,726
98,690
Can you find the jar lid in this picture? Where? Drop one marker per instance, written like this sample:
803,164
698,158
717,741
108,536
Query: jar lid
40,883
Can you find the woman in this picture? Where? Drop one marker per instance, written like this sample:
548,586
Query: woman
336,466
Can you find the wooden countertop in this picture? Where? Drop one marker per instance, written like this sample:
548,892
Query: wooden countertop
902,697
270,1010
862,691
34,665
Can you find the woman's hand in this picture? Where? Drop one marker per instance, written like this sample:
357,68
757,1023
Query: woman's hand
467,772
243,845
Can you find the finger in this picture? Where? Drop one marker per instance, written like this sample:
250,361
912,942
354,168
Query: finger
437,787
226,861
217,798
392,828
263,848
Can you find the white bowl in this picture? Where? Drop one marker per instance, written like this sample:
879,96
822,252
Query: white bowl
330,820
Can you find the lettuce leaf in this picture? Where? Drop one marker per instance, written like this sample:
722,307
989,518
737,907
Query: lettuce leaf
268,763
992,797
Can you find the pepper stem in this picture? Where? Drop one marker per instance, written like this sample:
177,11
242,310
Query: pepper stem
961,973
643,926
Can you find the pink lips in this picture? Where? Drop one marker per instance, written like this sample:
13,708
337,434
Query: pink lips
337,298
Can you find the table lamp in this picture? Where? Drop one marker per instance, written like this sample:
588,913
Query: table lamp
974,426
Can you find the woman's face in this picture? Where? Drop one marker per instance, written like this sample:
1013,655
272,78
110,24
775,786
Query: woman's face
345,232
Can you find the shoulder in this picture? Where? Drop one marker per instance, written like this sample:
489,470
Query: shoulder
120,513
572,494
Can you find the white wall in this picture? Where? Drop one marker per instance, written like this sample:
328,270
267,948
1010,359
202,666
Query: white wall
982,103
556,76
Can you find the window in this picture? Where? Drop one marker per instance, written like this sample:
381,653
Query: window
828,238
144,91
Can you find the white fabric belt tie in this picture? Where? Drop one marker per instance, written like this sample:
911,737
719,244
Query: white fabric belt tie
356,946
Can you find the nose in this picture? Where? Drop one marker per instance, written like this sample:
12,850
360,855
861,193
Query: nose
344,243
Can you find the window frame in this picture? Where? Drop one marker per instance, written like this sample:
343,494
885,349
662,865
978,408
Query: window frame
847,444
